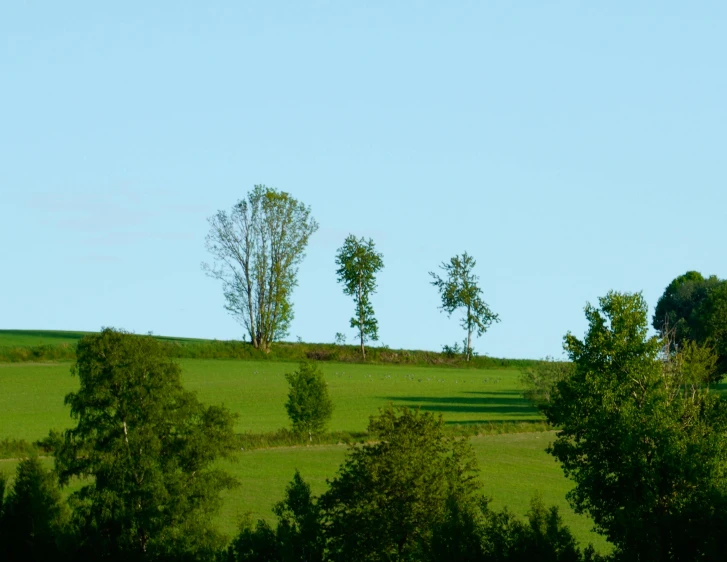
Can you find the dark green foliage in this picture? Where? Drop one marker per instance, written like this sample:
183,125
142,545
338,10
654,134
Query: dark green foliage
643,438
255,543
309,406
475,533
297,537
695,308
387,496
17,448
33,518
677,307
712,323
358,263
298,532
148,447
540,380
459,289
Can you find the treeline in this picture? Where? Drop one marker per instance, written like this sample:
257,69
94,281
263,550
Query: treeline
281,351
413,494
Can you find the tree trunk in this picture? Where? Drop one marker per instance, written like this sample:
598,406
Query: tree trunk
361,319
469,334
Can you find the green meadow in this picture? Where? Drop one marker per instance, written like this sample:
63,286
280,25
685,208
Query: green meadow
514,466
31,397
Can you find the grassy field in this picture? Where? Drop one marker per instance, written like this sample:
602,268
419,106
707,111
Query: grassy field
513,467
31,395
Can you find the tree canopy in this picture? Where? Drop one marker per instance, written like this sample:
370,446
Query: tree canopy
459,289
145,449
387,496
257,248
358,263
643,437
694,308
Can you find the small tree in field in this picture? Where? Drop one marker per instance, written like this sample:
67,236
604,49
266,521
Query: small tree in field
309,406
358,262
459,289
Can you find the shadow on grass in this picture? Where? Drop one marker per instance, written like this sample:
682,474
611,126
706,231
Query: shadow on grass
509,403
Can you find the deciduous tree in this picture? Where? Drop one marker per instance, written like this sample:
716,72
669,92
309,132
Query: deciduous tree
144,448
34,517
388,496
257,248
459,289
358,263
309,406
643,437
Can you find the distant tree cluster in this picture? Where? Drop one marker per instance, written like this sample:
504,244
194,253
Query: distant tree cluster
259,244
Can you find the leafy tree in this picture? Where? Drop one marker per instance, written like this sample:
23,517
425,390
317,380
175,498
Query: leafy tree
257,248
677,308
297,537
298,529
643,437
309,406
388,496
33,524
358,263
459,289
145,448
712,324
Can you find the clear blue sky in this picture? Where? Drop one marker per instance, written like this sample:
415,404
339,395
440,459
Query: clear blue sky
570,147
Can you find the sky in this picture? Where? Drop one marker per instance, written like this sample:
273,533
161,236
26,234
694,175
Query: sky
572,148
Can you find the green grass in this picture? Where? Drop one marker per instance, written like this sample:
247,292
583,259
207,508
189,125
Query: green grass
27,338
514,467
31,400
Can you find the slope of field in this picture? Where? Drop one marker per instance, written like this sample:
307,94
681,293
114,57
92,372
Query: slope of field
31,401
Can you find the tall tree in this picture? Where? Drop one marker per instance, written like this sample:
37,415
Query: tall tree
257,248
459,289
144,449
643,437
358,263
34,516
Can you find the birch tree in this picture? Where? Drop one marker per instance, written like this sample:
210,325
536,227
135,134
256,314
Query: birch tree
459,289
257,248
358,262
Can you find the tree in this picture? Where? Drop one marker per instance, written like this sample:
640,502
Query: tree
34,517
358,263
297,537
712,324
145,449
643,437
309,406
257,248
459,289
677,309
388,496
